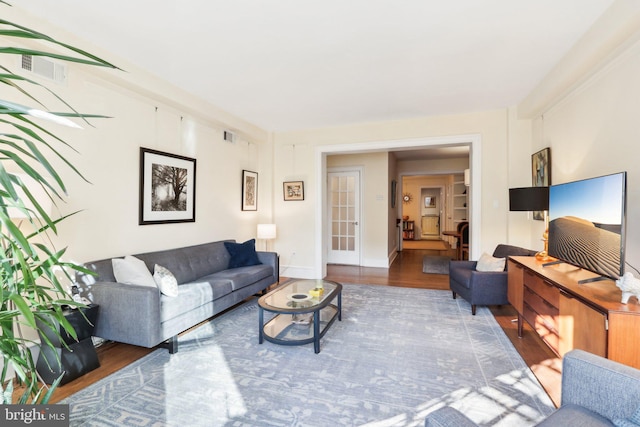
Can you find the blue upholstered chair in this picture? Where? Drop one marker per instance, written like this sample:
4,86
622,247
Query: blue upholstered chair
595,392
483,287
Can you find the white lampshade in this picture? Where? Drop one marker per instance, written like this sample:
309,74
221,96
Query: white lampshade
266,231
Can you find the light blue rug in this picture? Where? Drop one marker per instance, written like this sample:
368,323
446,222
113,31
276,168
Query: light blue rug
397,355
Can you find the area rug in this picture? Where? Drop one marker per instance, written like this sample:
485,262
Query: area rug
435,264
397,355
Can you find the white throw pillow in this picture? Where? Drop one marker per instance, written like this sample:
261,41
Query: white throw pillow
166,281
489,263
132,271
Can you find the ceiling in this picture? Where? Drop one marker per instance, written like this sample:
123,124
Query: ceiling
297,64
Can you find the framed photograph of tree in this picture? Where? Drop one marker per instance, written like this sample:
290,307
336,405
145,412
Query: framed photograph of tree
167,188
249,191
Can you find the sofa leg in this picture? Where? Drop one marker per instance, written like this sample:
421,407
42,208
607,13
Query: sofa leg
171,344
454,294
473,310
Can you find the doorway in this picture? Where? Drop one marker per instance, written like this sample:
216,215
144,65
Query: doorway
344,217
473,141
432,207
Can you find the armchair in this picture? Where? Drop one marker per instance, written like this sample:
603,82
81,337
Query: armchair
483,287
595,392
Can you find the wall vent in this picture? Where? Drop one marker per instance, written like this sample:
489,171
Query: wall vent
45,67
229,137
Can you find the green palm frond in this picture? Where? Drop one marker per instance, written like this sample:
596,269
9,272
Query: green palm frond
30,286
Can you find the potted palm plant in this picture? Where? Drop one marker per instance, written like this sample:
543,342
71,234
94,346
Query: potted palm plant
32,271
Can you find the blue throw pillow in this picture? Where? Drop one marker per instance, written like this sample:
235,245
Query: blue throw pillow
242,254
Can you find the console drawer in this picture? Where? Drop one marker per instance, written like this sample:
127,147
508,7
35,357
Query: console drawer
545,289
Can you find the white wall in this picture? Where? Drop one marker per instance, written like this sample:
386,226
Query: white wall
149,113
590,122
298,222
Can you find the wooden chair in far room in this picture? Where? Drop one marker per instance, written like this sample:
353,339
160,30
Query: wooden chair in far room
463,230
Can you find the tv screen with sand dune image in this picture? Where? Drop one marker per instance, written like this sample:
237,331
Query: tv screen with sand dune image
587,224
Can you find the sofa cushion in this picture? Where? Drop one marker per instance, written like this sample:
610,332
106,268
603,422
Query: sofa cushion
132,271
242,276
632,421
489,263
242,254
193,295
574,415
165,280
190,263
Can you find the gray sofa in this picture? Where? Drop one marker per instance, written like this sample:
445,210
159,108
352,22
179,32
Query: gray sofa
143,316
595,392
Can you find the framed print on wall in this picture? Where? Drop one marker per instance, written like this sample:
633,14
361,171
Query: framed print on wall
167,188
394,189
293,190
541,173
249,191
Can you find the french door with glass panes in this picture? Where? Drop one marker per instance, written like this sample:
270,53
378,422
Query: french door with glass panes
344,217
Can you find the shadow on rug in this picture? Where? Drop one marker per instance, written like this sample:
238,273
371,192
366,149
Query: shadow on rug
397,355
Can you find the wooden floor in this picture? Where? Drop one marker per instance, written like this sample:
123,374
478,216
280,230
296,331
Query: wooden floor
406,271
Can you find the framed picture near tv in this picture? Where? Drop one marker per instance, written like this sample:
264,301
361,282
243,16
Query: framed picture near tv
167,188
541,174
587,224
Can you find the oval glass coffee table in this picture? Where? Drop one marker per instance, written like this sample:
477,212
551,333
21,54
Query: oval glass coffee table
305,309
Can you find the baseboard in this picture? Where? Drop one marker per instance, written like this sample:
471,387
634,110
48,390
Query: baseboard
297,272
376,262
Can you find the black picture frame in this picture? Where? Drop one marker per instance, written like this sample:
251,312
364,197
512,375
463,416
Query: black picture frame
161,176
293,190
249,190
394,191
541,174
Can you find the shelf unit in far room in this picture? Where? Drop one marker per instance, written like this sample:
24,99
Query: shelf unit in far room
460,201
408,230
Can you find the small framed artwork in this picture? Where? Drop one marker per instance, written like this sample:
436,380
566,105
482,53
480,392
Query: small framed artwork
541,173
249,190
394,190
541,168
430,202
167,188
293,190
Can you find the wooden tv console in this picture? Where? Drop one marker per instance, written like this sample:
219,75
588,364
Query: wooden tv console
568,315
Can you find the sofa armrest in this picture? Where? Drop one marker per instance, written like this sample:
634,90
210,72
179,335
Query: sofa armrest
601,385
128,313
448,417
272,259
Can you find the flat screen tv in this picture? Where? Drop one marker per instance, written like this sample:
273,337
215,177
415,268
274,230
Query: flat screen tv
587,224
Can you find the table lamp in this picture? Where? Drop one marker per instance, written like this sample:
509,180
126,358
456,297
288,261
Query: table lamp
266,232
533,199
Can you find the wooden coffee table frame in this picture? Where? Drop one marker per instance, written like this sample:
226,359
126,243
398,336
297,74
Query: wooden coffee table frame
323,312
